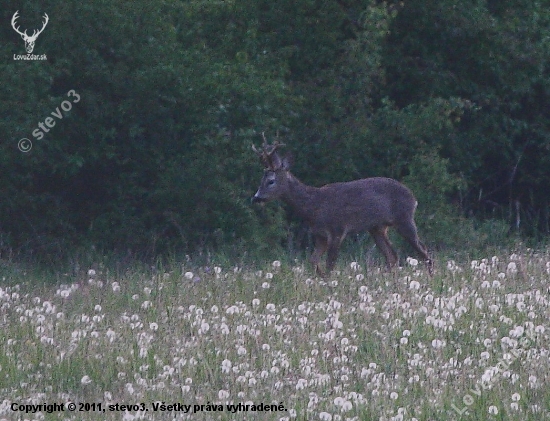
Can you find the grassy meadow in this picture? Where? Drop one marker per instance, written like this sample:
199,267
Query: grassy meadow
470,343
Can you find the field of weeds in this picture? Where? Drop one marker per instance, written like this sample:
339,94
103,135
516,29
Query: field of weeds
227,343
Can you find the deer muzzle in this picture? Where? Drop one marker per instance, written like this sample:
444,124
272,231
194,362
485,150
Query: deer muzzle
258,199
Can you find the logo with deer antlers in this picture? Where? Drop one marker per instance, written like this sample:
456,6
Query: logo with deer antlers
29,39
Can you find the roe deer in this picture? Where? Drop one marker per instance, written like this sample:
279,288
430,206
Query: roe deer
337,209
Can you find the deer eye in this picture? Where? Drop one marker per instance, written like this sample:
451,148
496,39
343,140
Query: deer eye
270,182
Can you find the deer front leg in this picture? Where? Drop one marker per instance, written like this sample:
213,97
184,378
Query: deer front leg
334,249
321,244
332,256
383,243
407,229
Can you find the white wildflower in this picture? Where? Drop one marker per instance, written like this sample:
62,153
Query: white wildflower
438,343
325,416
412,262
226,366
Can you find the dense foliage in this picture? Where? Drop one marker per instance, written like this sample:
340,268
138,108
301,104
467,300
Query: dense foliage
450,97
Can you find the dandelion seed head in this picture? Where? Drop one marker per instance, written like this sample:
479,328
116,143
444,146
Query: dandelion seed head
226,366
325,416
301,384
412,262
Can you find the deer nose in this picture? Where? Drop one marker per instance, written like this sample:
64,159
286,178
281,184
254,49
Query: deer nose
257,199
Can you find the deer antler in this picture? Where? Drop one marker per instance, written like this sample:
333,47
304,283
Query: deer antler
15,16
38,32
267,154
35,33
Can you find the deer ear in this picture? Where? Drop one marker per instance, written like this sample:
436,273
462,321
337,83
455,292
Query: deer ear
287,161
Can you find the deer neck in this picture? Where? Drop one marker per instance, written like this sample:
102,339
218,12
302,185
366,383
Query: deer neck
301,197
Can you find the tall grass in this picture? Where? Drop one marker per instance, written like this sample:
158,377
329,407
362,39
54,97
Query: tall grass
470,343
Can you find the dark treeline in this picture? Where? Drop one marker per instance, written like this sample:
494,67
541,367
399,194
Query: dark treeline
451,98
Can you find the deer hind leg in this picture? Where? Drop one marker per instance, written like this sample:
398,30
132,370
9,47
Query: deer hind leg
321,245
382,241
408,231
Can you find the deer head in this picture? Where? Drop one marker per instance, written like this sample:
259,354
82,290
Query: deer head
29,40
273,183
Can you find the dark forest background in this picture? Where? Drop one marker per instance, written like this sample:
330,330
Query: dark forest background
450,97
